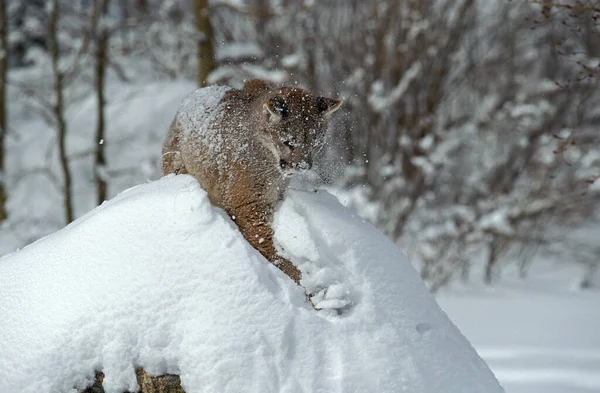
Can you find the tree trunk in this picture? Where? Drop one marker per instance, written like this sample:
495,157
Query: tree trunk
59,110
3,107
160,384
206,56
491,262
142,5
310,22
102,45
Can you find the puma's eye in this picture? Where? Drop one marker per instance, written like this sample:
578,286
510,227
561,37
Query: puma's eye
289,144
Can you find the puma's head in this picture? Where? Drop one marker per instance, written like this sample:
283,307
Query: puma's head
295,125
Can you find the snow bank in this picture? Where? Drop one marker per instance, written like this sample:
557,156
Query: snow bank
159,278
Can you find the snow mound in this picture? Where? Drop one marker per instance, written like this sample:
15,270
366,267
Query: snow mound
159,278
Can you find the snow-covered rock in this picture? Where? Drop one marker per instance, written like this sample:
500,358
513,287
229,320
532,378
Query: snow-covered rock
159,278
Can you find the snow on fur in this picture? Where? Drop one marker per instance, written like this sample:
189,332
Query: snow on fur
158,278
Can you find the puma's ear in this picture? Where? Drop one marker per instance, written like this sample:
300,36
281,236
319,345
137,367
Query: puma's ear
256,86
327,106
275,107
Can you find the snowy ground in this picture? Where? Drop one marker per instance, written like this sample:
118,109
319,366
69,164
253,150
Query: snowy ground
538,335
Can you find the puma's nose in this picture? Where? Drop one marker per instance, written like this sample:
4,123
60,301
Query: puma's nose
303,166
283,163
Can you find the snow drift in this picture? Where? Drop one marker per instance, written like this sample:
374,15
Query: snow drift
158,278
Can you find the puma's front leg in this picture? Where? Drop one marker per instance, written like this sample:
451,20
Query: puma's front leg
254,220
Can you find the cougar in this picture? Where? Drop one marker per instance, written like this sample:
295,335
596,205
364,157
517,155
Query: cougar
243,146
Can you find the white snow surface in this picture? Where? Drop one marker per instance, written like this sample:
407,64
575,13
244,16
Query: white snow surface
539,334
159,278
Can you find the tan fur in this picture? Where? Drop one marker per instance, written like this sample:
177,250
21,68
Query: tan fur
243,150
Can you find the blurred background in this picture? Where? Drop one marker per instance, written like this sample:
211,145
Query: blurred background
470,135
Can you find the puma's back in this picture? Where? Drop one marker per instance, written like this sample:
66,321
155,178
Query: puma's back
243,145
192,141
